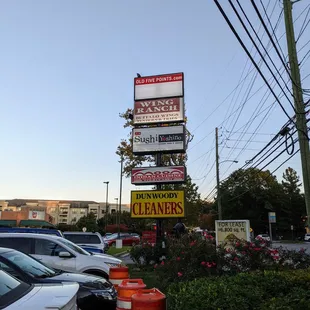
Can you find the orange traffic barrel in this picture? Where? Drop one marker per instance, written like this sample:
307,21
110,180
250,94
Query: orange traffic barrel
117,275
149,299
125,290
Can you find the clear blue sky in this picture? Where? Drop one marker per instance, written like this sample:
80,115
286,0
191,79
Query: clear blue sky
67,69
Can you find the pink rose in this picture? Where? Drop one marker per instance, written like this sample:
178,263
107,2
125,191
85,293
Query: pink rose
178,258
203,263
180,274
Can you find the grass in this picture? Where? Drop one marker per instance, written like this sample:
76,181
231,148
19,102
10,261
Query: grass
148,277
114,251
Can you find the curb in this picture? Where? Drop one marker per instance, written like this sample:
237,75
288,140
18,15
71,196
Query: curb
121,254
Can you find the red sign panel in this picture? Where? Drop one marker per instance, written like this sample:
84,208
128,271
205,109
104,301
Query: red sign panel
164,110
153,175
149,236
159,86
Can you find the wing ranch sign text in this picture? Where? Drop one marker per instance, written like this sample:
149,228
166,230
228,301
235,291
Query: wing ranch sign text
159,110
157,204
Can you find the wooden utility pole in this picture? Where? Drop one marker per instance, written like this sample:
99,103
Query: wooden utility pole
219,202
301,122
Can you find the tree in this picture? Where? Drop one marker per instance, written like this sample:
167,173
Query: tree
89,221
192,197
295,206
251,194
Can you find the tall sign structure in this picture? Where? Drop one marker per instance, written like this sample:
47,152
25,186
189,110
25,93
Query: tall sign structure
158,118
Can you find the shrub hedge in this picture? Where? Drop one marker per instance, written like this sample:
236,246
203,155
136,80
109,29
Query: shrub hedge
257,290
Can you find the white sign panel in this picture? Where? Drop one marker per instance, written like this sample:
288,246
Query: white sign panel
36,215
232,230
158,139
164,110
154,175
159,86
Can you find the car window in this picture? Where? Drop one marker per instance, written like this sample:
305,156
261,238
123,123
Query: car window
6,268
81,238
28,264
73,247
47,247
7,283
19,244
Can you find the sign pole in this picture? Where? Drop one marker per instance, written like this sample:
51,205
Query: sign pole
270,231
158,187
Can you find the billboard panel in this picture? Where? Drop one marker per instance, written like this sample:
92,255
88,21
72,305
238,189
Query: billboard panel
165,110
158,139
157,204
36,215
229,230
159,86
155,175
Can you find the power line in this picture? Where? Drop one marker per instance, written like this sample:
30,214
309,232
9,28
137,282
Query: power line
303,26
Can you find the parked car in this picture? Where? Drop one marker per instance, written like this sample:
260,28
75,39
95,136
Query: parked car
307,237
46,231
87,239
16,294
94,292
263,237
60,253
127,239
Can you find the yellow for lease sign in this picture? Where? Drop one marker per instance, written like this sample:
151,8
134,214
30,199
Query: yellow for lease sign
157,204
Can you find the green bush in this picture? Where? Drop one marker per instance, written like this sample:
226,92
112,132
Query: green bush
257,290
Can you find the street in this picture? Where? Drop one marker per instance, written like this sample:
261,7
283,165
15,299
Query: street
293,246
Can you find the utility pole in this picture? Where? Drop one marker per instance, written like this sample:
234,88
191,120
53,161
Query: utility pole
219,203
301,122
120,198
106,205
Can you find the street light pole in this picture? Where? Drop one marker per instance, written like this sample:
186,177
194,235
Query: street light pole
120,197
116,199
106,205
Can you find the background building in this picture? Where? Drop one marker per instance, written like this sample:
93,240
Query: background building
54,211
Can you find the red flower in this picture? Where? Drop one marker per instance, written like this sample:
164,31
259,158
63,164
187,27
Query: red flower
180,274
178,258
155,266
209,265
182,252
257,249
236,258
203,263
213,264
162,263
238,244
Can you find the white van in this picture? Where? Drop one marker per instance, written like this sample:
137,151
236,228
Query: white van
59,253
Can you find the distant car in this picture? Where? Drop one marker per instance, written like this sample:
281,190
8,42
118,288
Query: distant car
127,239
87,240
46,231
60,253
307,237
135,235
16,295
94,292
263,237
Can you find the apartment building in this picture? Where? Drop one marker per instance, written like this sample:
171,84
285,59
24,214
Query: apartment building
62,212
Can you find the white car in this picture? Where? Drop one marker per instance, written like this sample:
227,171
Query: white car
60,253
307,237
263,237
16,295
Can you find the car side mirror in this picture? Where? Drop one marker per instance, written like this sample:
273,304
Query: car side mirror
64,255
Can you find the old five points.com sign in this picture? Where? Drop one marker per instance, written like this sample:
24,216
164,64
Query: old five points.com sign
157,204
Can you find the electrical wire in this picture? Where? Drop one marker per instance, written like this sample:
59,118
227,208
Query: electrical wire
303,26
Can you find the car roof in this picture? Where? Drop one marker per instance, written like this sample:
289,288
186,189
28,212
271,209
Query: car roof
79,233
30,235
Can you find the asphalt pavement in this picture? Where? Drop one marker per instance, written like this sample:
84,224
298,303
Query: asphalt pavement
293,246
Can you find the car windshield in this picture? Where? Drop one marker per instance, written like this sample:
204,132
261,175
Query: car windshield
74,247
29,265
7,283
83,238
113,236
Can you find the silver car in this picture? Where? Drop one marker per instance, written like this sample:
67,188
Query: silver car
16,295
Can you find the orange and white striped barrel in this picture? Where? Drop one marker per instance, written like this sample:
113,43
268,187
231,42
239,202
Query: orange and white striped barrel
125,290
117,275
148,299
